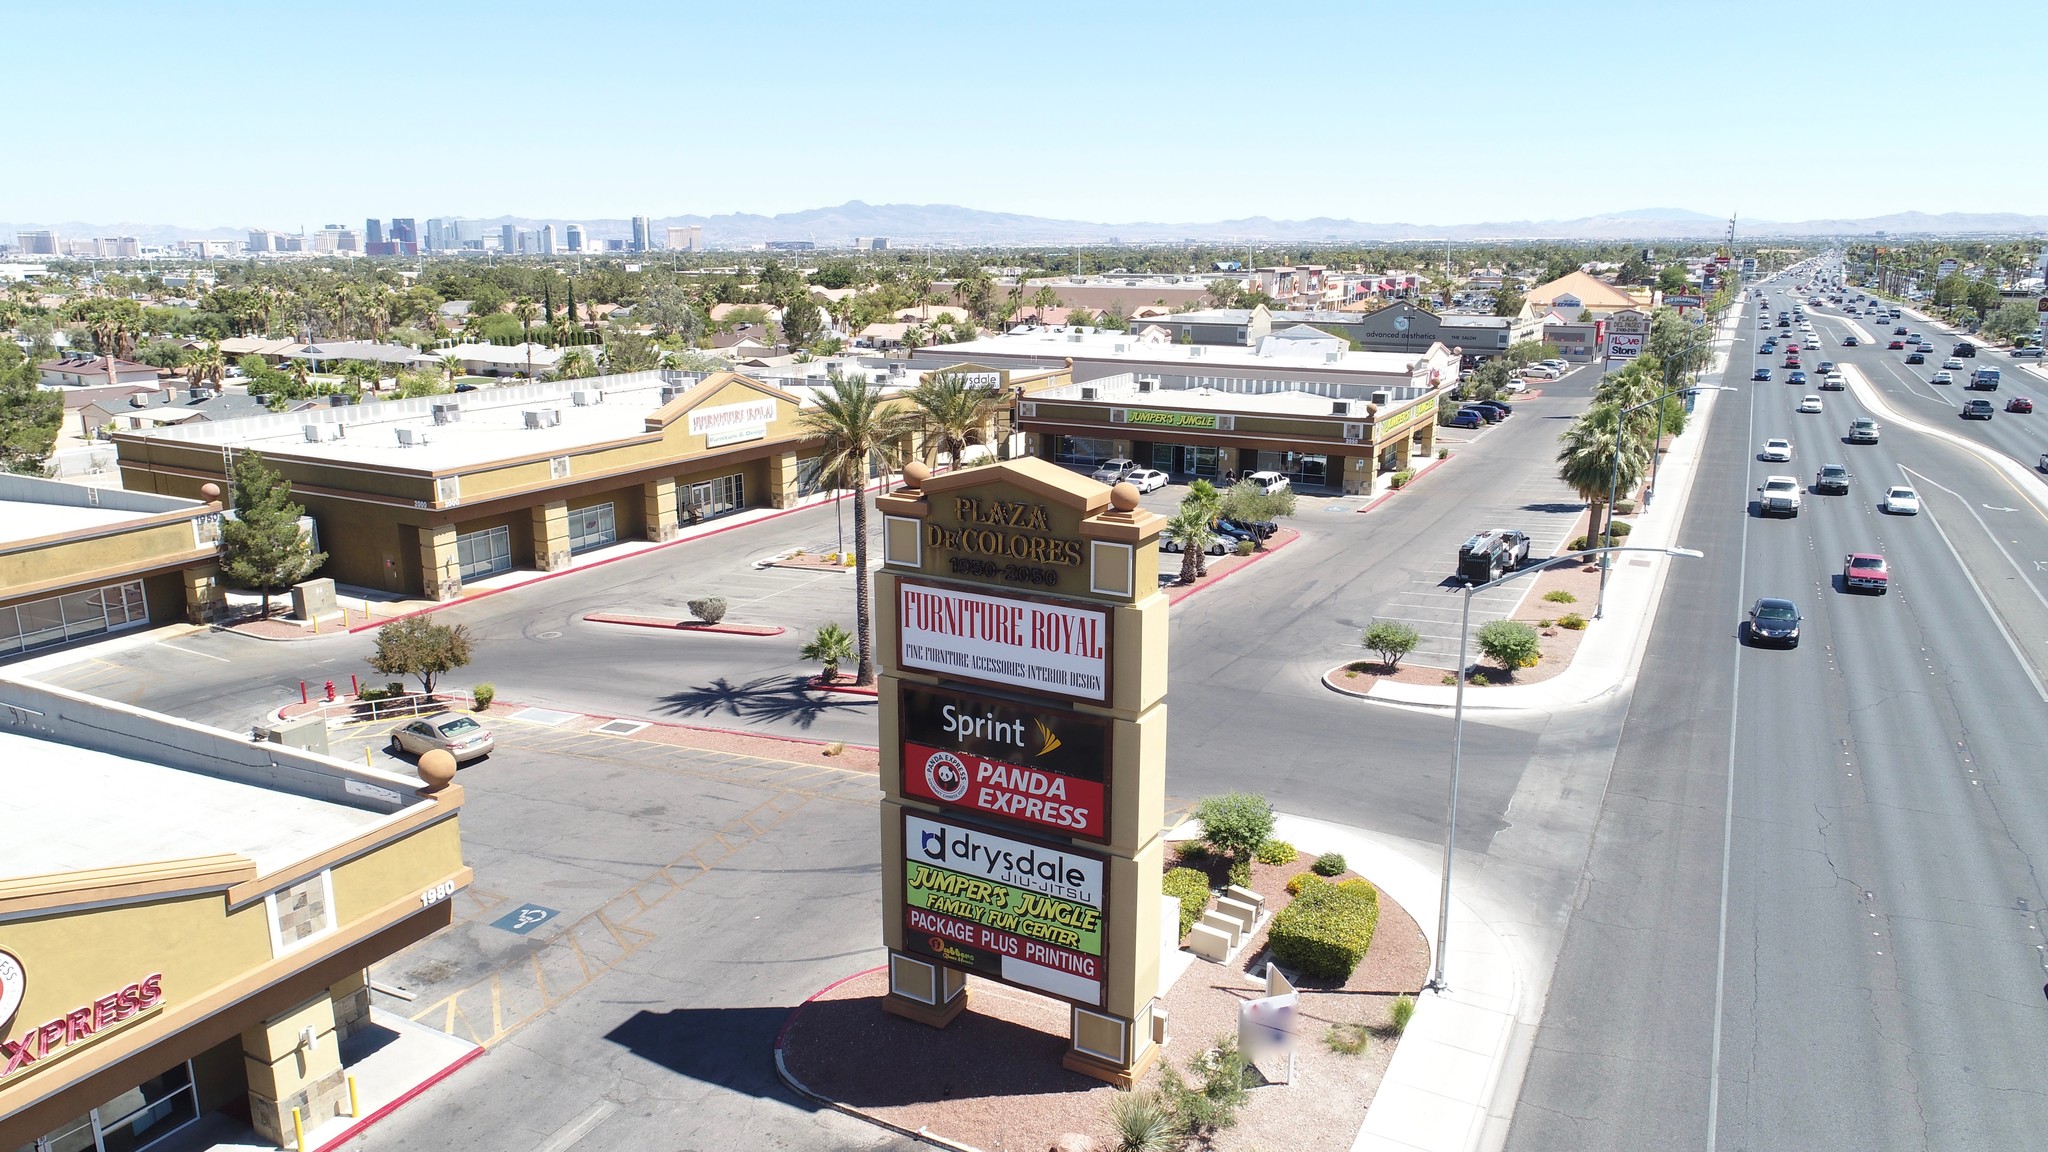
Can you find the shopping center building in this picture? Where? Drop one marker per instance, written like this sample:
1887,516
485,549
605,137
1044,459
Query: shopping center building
1298,402
187,916
78,562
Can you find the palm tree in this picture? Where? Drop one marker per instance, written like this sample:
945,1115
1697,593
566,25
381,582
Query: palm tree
302,376
1595,461
1017,292
574,365
1204,497
362,375
1046,297
921,280
955,413
451,367
208,366
1193,528
528,312
856,425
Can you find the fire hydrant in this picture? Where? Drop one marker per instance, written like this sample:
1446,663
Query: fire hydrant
330,691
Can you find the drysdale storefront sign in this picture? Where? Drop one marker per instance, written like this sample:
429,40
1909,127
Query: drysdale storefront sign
1041,766
48,1041
1009,641
1019,911
732,423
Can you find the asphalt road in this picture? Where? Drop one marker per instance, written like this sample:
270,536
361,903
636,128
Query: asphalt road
1810,917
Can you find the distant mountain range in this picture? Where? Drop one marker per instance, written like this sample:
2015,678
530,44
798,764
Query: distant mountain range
952,225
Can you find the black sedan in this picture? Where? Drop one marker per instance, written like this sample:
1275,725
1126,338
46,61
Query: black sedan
1774,621
1916,358
1763,373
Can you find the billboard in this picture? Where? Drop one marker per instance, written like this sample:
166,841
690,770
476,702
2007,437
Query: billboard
1625,345
1037,765
1023,912
1056,648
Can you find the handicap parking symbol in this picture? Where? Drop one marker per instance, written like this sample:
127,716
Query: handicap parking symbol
524,919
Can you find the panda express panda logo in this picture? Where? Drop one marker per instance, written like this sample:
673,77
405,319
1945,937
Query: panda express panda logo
946,776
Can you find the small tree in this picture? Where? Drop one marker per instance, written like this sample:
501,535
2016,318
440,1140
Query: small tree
1391,640
709,609
1510,644
262,545
416,646
1235,823
830,647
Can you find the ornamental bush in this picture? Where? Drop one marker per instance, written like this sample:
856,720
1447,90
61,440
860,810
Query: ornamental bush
1301,881
1571,620
709,609
1325,931
1510,643
1329,864
1392,640
1275,852
1235,823
1193,889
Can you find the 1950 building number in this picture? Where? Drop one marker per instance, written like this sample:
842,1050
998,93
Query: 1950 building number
1015,573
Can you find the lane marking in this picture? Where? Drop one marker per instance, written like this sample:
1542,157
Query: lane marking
2011,642
568,1134
190,652
2009,470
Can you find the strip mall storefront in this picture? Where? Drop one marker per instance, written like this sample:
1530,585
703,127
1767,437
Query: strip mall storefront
1334,453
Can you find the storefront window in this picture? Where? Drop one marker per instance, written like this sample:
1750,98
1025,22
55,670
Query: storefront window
73,615
591,528
1304,469
484,553
131,1121
1083,450
709,498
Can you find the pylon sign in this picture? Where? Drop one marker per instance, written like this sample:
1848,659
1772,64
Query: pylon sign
1023,641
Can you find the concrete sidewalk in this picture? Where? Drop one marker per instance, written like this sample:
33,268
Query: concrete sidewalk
1607,658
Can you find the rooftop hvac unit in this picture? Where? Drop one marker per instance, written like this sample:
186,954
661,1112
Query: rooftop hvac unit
410,437
1340,407
1145,385
315,433
895,371
447,413
1088,392
543,417
1122,348
586,397
1332,357
1382,397
671,391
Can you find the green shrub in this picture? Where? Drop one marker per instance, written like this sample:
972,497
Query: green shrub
1275,852
1324,932
1241,873
1478,680
709,609
1403,1011
1443,453
1329,864
1235,823
1246,547
1402,477
1346,1039
1209,1104
1302,880
483,694
1620,528
1572,620
1190,850
1560,596
1142,1122
1545,622
1391,640
1193,889
1625,506
1510,643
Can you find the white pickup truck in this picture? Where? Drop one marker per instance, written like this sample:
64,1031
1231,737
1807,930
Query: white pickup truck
1779,496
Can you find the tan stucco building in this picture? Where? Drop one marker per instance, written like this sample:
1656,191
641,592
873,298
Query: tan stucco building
186,919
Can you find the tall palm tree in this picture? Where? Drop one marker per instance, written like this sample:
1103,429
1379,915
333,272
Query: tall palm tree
1597,455
955,413
856,424
1194,530
1018,290
528,312
574,365
209,366
921,281
451,367
302,376
1203,497
1045,298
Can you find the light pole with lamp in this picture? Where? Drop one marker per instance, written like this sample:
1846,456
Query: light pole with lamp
1614,476
1437,983
1688,367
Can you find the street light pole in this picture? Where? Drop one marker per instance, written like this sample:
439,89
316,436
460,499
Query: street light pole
1437,982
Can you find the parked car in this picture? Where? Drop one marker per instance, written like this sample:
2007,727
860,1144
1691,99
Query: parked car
2019,404
1899,500
452,732
1774,621
1865,572
1146,479
1256,529
1976,409
1489,555
1486,414
1115,469
2033,352
1831,480
1502,410
1268,482
1219,545
1465,418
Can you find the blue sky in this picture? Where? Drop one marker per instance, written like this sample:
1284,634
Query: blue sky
277,115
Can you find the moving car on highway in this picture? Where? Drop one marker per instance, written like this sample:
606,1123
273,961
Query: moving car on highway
1865,572
2019,404
1900,500
1776,448
1774,621
1862,430
1831,480
1809,403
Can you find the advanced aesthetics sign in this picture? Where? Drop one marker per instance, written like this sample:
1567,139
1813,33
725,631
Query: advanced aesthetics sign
1022,912
1040,766
1008,641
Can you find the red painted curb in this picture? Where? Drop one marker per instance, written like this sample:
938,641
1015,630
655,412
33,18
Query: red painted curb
1176,597
1426,470
775,515
817,684
684,625
356,1129
784,1030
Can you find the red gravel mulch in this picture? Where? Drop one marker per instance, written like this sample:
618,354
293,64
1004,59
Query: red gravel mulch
992,1079
1219,566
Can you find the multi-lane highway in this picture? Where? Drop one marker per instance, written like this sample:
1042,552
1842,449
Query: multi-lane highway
1811,915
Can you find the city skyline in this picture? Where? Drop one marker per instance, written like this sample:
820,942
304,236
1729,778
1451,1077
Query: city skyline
1520,114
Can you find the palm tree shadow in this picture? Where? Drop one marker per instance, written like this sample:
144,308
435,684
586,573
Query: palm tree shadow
778,699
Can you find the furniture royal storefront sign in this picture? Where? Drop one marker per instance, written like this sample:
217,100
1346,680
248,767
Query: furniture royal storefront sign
732,423
1020,911
1008,641
1040,766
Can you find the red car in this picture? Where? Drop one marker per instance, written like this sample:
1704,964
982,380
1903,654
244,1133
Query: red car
1865,572
1791,361
2019,404
1896,346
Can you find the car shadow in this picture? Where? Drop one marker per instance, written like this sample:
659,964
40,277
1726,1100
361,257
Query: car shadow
769,698
1557,506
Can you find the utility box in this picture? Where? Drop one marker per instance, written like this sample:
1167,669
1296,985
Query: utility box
308,733
313,600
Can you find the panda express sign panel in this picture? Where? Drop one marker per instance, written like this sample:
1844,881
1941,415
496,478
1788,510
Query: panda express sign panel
1009,641
1019,911
1043,767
